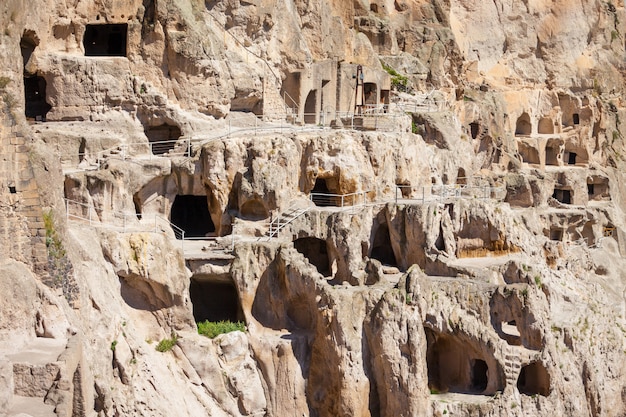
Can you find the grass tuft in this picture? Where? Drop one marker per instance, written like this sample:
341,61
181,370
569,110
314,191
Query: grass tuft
211,329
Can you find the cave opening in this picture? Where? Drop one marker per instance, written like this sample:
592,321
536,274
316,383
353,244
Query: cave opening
480,372
105,39
461,177
36,106
315,251
546,126
556,234
534,379
215,301
451,367
320,194
381,247
254,210
576,118
553,152
162,138
310,108
571,158
598,188
370,90
529,153
562,195
474,129
191,214
523,126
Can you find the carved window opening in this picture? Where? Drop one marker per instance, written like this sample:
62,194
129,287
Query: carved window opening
191,214
571,158
105,39
556,233
374,8
12,189
534,379
511,333
562,195
162,138
315,251
576,118
214,301
381,247
474,129
598,188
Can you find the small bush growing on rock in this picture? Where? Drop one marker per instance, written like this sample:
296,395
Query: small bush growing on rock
211,329
166,345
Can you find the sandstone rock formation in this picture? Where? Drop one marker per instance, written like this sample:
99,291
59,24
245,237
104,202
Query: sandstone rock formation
416,207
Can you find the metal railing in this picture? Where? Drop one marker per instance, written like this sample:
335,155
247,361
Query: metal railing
127,222
339,200
284,219
431,193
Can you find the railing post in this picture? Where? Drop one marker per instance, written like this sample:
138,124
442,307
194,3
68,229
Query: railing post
182,233
189,147
423,194
341,200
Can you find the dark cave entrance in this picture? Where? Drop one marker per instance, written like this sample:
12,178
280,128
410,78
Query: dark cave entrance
562,195
474,129
162,138
35,98
105,39
320,193
534,379
215,301
479,375
191,214
571,158
315,251
381,247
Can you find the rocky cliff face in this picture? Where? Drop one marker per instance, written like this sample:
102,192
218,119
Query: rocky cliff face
416,207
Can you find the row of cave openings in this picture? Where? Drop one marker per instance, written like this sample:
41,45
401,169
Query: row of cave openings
191,212
453,366
597,190
524,125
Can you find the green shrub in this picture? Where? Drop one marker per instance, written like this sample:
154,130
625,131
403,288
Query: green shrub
211,329
166,345
398,82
